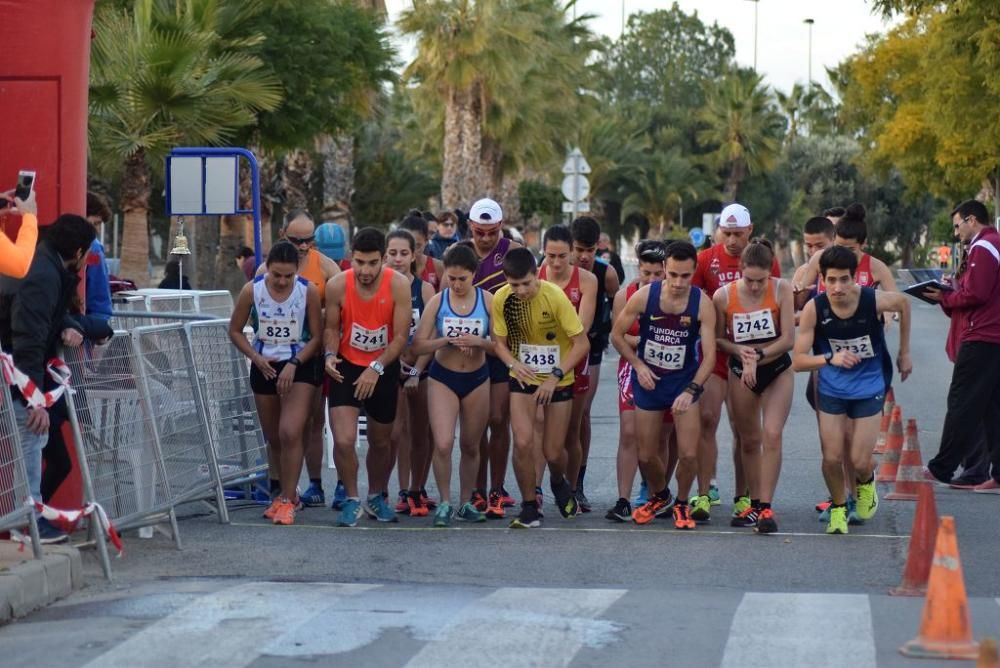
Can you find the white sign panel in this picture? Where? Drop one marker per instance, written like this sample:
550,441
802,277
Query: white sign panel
221,185
185,186
575,187
580,207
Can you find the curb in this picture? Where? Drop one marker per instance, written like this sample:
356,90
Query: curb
27,584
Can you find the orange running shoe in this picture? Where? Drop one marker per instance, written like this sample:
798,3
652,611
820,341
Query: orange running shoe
682,517
650,510
416,505
494,509
766,522
271,509
478,501
285,513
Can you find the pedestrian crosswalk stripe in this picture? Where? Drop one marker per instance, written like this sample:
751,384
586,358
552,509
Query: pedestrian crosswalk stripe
815,630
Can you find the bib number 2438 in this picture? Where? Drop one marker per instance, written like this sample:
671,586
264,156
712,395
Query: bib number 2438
540,359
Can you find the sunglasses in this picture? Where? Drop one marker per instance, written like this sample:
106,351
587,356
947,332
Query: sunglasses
298,241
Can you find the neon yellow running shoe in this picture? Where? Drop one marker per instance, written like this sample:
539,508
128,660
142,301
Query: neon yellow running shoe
701,508
867,500
838,520
741,506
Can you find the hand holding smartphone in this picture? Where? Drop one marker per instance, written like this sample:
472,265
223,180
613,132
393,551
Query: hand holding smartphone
22,198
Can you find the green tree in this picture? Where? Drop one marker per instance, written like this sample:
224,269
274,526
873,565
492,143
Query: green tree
663,185
164,75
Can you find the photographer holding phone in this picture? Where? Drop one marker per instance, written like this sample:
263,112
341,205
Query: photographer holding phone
973,344
15,256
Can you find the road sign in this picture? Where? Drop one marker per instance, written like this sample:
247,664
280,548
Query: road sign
697,236
575,187
579,207
576,163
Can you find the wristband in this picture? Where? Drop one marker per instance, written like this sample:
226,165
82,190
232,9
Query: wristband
327,355
694,389
295,361
760,353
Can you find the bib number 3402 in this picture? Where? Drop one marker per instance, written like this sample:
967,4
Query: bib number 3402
369,340
661,356
540,359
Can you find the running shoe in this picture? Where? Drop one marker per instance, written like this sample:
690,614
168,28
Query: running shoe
852,512
682,517
402,504
747,518
622,512
339,496
539,499
991,486
649,511
766,522
740,505
565,501
961,482
350,512
824,515
824,505
426,500
867,500
528,518
415,505
468,513
378,508
479,501
581,500
506,498
713,495
272,509
442,516
838,520
285,513
643,495
701,508
313,496
494,507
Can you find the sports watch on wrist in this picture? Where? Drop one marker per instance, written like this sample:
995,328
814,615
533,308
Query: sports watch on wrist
413,372
558,373
377,367
828,357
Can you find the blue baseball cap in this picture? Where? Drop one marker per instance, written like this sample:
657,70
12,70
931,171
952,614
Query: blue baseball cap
330,241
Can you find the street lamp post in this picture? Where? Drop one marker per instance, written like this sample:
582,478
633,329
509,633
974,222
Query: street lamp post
810,22
756,5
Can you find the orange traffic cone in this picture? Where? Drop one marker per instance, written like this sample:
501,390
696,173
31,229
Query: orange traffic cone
894,445
945,629
988,655
921,552
910,472
883,430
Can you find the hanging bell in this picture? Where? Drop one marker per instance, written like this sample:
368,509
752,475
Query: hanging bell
180,242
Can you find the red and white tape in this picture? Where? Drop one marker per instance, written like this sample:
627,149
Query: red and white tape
56,369
67,520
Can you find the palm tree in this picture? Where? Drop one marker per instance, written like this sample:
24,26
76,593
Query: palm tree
661,188
165,75
808,110
743,128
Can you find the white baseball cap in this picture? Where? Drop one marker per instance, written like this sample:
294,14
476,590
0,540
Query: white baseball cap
486,212
734,216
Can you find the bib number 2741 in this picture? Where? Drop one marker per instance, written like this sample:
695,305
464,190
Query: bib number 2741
369,340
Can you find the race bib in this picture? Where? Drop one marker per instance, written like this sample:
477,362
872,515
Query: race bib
278,331
540,359
753,325
413,322
369,340
861,346
670,358
458,326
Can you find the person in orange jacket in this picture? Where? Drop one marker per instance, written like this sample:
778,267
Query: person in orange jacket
16,256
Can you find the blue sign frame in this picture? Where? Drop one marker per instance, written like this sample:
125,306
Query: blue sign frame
227,152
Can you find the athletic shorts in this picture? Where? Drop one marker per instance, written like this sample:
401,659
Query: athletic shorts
766,373
661,397
625,399
310,372
811,391
855,409
581,378
381,405
563,393
499,373
462,383
597,348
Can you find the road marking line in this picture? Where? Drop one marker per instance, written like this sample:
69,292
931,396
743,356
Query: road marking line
525,627
629,531
815,630
227,628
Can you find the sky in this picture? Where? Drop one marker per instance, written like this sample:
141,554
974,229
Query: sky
782,36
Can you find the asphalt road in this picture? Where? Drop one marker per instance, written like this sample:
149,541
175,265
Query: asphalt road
577,592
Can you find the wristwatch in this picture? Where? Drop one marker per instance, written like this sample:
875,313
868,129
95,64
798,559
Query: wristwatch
295,361
377,367
327,355
413,372
760,353
558,373
828,357
694,389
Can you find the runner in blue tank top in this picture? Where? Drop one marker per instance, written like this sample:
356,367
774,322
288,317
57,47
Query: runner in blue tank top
674,318
841,335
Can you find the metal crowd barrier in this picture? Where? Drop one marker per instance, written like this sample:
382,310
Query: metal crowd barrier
14,511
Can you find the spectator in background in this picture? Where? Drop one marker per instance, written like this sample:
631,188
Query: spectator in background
463,224
447,234
247,262
97,285
15,256
172,279
944,256
34,320
606,252
974,345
